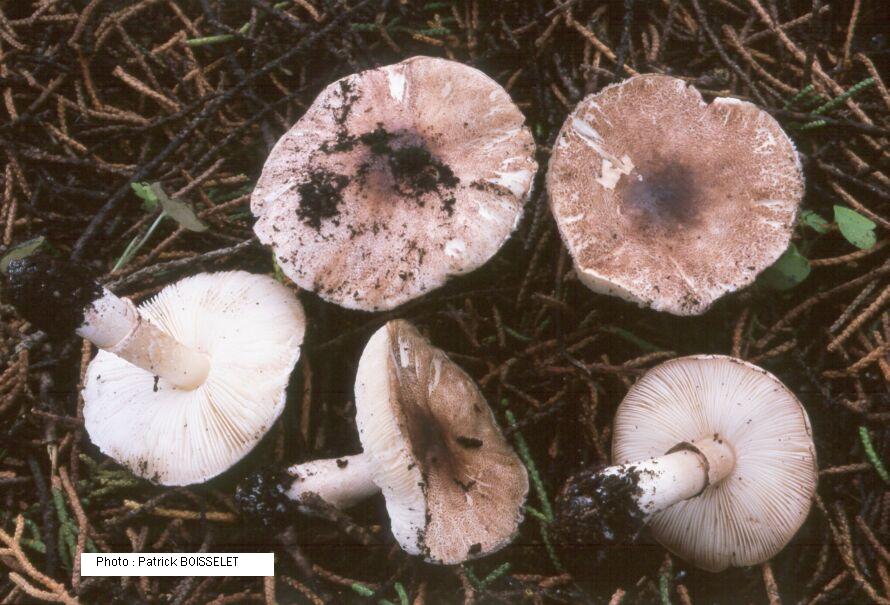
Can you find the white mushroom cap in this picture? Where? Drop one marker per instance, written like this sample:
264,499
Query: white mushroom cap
250,327
454,487
668,201
751,514
395,179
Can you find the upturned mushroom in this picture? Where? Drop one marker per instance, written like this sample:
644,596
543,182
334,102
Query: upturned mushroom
715,454
394,180
668,201
187,383
453,486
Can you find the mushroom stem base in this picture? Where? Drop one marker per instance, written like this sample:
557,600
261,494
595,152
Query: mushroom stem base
341,482
114,324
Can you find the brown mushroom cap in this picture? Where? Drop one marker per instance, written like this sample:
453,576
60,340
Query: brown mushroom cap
395,179
454,487
668,201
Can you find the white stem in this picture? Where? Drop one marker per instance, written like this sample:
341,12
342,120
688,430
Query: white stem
679,475
114,324
340,482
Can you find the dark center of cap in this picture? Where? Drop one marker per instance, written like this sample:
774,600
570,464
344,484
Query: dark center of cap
51,294
660,196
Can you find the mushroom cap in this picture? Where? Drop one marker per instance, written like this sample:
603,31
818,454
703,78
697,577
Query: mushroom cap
751,514
251,328
395,179
668,201
454,487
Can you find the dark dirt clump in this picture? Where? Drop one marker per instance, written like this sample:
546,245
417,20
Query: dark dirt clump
320,197
262,498
349,96
597,509
51,294
414,169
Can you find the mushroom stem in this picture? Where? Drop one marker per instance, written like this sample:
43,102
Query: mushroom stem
61,297
341,482
682,473
113,324
611,506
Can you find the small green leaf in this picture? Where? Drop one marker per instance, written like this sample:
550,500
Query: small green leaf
149,199
279,274
177,210
857,229
815,221
23,250
791,269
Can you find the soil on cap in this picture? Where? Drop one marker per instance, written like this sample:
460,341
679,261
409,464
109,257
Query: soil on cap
349,97
51,294
415,170
600,509
320,197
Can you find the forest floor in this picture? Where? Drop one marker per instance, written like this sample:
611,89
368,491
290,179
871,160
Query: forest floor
192,95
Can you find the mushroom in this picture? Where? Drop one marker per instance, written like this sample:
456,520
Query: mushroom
668,201
715,454
395,179
453,486
187,383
